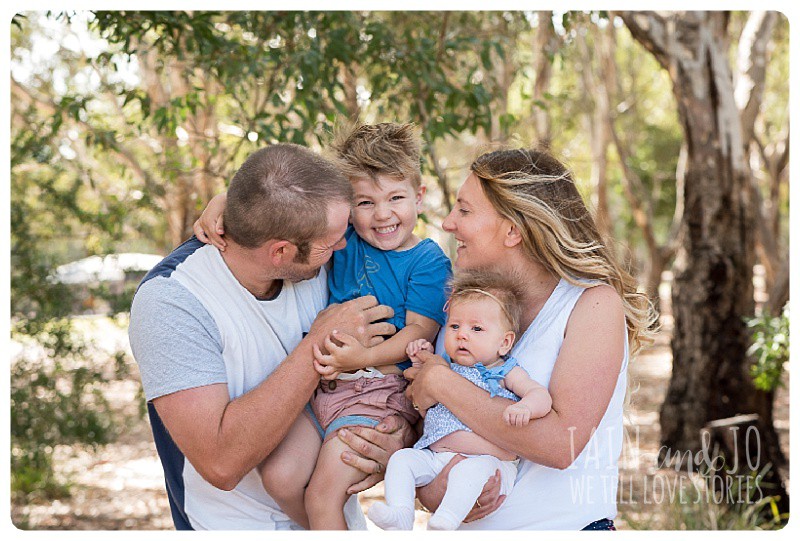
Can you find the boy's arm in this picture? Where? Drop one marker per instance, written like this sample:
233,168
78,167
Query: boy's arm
533,396
393,350
351,355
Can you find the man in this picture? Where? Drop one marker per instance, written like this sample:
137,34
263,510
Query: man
224,341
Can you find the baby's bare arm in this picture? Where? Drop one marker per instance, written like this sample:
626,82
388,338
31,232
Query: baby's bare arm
535,400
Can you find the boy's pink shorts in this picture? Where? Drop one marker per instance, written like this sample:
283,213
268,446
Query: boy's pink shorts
364,401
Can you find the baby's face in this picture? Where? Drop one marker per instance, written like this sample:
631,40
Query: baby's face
476,332
385,213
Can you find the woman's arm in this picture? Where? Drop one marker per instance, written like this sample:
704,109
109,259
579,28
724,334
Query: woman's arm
581,386
374,446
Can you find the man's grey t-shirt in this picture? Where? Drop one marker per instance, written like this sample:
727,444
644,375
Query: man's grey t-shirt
181,348
193,324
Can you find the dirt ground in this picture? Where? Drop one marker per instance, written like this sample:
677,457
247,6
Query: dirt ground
121,487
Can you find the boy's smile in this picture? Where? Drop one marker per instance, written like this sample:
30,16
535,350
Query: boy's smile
385,212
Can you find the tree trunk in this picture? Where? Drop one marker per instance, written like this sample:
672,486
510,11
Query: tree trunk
598,79
713,287
739,440
545,44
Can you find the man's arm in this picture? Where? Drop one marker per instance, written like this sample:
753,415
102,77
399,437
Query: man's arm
224,439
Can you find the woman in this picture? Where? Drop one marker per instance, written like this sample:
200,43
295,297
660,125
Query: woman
519,211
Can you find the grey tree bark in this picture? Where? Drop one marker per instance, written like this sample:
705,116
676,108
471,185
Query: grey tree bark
713,286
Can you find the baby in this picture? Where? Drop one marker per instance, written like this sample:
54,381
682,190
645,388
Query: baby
482,321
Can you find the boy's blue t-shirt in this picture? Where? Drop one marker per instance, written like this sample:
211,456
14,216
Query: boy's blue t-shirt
414,279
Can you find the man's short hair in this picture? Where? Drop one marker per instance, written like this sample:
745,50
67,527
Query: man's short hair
369,150
282,192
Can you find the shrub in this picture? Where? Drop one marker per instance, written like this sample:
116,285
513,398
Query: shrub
769,348
56,399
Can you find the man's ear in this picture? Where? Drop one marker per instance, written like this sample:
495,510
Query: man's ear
508,342
513,236
281,251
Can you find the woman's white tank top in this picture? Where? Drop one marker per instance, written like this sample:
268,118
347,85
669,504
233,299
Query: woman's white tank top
547,498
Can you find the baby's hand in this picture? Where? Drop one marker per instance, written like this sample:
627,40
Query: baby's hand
418,345
517,415
415,347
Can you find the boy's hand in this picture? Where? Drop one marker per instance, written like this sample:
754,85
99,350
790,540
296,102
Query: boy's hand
413,348
344,356
209,227
326,372
517,415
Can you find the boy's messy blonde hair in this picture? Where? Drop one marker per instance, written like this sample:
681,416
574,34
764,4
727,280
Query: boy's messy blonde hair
505,290
369,150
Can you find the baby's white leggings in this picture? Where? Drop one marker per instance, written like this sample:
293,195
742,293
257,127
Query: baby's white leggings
410,468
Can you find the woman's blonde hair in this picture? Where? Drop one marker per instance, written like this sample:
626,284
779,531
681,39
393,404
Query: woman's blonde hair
537,193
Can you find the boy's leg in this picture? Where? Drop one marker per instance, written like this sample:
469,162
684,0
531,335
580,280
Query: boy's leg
327,491
287,470
464,485
407,469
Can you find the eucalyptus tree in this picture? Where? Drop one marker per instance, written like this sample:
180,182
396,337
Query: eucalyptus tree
713,286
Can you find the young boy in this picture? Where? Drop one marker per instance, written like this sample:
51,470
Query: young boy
362,385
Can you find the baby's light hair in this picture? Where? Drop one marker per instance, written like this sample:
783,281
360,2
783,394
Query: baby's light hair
505,290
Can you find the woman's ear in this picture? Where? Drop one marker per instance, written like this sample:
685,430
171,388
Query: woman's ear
508,342
513,236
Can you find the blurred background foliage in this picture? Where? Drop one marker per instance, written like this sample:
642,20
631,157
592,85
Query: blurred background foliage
124,124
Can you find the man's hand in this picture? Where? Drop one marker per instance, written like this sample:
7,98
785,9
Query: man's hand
488,502
373,446
358,317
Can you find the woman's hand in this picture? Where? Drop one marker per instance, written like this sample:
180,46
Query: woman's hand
373,446
488,502
208,227
425,379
